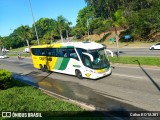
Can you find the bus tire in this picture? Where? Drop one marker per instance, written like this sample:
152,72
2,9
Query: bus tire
46,69
79,74
41,68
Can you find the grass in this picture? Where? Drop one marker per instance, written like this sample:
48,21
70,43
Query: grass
22,54
18,49
14,52
22,97
151,61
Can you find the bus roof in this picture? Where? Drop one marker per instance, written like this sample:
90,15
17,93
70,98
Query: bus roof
84,45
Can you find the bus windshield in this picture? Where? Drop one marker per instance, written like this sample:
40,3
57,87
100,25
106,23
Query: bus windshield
100,60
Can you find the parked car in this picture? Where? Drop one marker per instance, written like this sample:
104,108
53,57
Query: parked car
5,50
155,47
3,56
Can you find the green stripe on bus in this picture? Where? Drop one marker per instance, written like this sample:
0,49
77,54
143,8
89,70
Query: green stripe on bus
64,63
58,63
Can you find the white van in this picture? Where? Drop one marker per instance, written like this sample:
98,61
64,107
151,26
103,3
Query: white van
5,50
26,50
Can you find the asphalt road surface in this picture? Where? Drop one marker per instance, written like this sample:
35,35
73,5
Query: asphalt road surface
129,87
124,52
136,52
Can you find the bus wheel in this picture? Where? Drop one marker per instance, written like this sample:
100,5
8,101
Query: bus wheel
79,74
41,68
46,69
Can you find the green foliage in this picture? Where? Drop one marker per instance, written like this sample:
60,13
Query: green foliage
18,38
84,19
144,22
48,30
141,17
118,18
5,79
19,98
45,28
99,25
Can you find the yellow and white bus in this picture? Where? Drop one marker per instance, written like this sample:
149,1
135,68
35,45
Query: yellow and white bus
82,59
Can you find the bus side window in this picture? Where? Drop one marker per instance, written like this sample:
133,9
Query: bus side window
53,52
35,51
49,52
65,53
43,52
61,53
57,52
72,54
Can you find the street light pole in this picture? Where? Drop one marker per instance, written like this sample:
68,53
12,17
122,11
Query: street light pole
34,22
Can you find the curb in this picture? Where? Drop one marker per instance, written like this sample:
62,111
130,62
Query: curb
82,105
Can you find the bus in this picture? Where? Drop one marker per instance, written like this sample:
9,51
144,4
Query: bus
82,59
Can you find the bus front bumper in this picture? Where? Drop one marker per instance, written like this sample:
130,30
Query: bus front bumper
98,75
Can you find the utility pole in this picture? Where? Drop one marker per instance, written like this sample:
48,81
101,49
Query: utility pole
117,41
34,22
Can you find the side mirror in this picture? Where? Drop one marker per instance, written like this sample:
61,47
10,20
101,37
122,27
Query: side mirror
106,50
91,57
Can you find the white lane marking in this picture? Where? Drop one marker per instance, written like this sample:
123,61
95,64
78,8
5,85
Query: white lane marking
130,76
136,67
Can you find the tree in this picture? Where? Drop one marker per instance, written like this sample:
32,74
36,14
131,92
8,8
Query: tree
141,15
145,22
118,20
85,16
43,26
99,25
26,34
60,25
1,42
67,28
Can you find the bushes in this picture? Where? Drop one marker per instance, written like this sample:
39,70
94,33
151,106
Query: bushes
5,79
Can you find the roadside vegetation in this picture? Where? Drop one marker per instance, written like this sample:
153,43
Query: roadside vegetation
21,54
17,96
18,49
151,61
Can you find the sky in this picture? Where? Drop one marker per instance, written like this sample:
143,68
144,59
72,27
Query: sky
14,13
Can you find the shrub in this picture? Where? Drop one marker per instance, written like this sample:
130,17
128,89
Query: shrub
5,79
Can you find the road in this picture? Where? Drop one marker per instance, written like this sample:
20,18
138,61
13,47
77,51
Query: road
136,52
137,86
124,52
